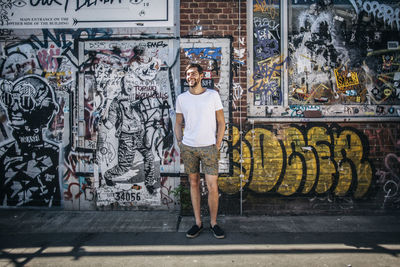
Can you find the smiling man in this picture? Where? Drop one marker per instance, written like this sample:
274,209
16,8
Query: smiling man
201,111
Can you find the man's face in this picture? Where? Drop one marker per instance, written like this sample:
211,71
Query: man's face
193,77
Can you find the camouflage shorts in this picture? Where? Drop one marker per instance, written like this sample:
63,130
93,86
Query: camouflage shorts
207,155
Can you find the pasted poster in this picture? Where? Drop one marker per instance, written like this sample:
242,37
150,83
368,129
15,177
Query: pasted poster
80,14
129,98
29,162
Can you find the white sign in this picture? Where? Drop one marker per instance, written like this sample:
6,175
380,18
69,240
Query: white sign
23,14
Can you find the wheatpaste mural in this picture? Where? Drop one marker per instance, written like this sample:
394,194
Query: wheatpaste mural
29,169
129,107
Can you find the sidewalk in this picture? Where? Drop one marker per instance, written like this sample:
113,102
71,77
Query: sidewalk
157,238
40,221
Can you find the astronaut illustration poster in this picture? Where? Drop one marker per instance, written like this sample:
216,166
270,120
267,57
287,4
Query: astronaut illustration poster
129,104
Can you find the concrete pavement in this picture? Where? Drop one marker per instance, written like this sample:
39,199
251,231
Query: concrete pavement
157,238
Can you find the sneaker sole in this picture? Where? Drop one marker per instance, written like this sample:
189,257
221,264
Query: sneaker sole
216,236
219,237
196,235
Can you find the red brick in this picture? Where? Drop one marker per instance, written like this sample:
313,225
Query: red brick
194,16
186,22
223,4
232,27
212,16
204,16
206,22
186,10
233,15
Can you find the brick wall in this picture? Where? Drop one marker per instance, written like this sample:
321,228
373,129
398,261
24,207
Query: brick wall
213,19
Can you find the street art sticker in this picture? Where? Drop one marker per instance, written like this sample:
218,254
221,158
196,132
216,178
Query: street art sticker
129,107
29,161
317,159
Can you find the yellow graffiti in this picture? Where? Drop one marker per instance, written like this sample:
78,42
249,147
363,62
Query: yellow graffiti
268,159
57,74
319,139
348,153
345,78
313,160
264,7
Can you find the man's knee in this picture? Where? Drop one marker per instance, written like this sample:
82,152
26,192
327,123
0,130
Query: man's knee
212,183
194,179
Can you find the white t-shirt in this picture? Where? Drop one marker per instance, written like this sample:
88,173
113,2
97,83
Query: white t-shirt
199,115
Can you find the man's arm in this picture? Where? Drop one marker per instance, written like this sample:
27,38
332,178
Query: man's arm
220,126
178,127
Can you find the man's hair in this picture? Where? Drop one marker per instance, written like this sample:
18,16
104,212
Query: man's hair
194,65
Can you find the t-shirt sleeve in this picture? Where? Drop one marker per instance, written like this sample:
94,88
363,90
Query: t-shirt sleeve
218,102
178,106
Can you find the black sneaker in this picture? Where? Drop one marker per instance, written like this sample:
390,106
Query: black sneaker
217,232
194,231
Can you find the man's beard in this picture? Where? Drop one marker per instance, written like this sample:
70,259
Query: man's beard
196,82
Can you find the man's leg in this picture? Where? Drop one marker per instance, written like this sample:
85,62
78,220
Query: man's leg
213,197
194,179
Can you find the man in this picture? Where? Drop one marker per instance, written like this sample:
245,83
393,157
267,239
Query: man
201,110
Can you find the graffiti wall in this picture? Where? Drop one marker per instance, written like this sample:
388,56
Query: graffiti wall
87,123
36,83
304,168
87,114
301,160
